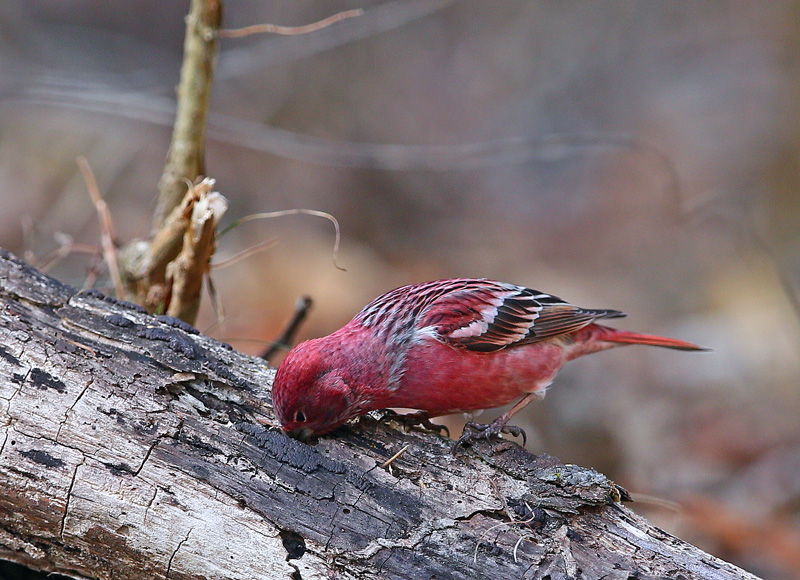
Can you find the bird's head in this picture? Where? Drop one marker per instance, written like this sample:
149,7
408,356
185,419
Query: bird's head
310,394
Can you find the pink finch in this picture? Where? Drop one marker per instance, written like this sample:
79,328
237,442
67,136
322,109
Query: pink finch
442,347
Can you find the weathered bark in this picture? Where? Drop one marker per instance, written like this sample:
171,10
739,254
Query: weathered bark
130,447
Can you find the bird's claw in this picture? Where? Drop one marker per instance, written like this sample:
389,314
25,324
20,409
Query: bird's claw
418,419
421,418
473,431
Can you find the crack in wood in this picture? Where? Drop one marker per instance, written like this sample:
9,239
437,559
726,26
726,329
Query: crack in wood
22,380
170,435
69,496
72,407
172,556
147,456
150,504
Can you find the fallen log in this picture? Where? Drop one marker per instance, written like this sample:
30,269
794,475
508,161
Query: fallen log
133,446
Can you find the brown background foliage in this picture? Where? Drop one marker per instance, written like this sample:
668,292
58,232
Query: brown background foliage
631,155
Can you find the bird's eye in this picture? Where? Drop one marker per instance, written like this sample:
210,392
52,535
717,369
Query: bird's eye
299,417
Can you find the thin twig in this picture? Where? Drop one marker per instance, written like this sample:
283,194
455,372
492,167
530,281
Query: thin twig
519,541
394,457
216,302
107,234
643,498
504,524
243,254
285,212
83,346
64,249
290,30
301,308
93,272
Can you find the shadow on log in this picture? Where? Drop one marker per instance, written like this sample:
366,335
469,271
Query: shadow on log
132,446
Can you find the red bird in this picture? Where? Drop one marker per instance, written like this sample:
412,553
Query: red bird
442,347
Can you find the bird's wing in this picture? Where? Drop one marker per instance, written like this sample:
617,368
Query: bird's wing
486,316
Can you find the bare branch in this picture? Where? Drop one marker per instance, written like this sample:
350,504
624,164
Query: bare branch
290,30
186,152
107,233
301,308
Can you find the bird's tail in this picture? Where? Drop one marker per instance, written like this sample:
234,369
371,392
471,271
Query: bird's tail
606,334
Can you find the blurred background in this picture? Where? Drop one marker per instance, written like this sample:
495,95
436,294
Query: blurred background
631,155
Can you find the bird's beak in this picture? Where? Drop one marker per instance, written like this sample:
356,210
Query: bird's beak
301,434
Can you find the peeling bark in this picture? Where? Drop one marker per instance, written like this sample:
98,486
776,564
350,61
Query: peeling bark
132,446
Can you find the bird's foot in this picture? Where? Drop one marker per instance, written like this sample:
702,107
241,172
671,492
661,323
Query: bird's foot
473,431
420,418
